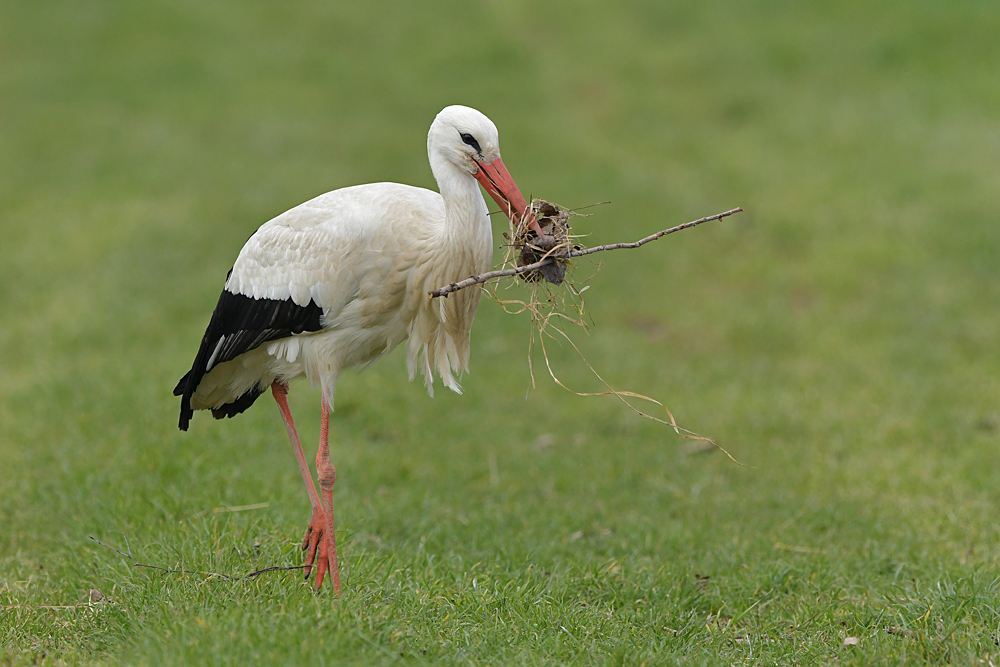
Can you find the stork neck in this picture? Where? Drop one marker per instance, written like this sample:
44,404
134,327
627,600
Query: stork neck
463,202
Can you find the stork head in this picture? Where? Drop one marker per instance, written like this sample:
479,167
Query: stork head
469,140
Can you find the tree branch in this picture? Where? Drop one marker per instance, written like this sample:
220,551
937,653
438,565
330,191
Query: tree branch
503,273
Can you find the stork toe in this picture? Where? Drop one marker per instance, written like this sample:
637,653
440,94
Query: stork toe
314,544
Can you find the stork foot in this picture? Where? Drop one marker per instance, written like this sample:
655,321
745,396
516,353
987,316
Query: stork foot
321,550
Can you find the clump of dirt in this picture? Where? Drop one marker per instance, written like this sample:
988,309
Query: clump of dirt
554,243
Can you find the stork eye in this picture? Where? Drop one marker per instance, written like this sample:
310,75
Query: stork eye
471,141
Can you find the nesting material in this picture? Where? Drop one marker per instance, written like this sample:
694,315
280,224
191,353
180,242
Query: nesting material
528,245
555,243
536,257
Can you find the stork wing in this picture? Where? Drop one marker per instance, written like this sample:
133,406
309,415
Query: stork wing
300,270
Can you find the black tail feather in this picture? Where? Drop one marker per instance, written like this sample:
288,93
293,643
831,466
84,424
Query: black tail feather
179,389
240,324
239,405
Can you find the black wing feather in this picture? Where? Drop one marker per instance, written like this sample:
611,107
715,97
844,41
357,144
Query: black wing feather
239,324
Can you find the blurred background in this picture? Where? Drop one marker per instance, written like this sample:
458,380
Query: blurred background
840,336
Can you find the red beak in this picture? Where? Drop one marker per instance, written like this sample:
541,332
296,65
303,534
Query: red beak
497,181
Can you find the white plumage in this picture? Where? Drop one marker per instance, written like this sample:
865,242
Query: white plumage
367,255
344,278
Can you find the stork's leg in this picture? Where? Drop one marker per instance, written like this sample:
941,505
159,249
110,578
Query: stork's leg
327,476
314,533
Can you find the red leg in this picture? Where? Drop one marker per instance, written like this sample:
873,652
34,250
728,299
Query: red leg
314,533
327,475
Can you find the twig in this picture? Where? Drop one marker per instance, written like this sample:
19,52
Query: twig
238,508
136,563
274,568
503,273
49,606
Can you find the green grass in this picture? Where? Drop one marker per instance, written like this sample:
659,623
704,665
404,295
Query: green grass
840,337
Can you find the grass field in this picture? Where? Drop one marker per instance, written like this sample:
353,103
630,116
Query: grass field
840,337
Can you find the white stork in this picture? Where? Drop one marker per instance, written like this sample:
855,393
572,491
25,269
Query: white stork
344,278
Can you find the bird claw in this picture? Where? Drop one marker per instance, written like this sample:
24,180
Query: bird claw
315,544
